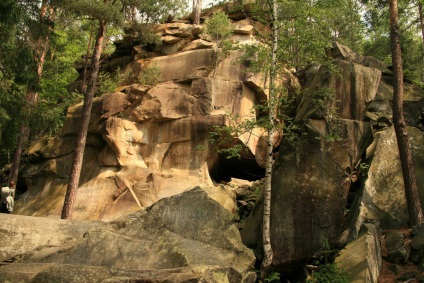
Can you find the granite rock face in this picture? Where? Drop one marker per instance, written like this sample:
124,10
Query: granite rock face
187,236
151,139
343,170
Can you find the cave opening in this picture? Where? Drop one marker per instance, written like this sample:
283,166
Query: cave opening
240,168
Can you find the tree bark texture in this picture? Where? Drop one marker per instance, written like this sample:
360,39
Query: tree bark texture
266,221
85,120
420,12
409,179
197,10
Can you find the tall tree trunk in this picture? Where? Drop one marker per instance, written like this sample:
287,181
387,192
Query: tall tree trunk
85,120
420,11
87,55
409,179
197,10
40,46
266,221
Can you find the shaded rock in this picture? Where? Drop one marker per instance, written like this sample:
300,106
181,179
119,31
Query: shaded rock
338,51
310,188
167,239
306,197
24,235
362,257
397,251
343,94
383,199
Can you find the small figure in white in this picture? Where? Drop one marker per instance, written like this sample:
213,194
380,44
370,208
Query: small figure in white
7,198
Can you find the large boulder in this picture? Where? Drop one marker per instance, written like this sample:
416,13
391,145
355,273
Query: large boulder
188,234
338,51
310,185
362,258
344,93
383,200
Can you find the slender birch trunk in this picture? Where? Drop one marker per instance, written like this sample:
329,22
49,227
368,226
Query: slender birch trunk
197,10
266,222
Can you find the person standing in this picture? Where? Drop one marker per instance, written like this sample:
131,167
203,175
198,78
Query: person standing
7,198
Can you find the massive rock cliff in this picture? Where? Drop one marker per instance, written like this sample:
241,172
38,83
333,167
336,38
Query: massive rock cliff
148,146
147,142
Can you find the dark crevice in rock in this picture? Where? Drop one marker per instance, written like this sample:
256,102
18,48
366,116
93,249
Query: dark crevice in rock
240,168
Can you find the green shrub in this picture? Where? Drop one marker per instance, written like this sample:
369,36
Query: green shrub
149,75
329,273
219,26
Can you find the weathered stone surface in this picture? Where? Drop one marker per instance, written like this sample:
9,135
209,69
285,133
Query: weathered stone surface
198,44
163,240
52,272
344,94
178,29
362,257
243,27
310,187
182,66
397,250
174,48
383,199
105,106
24,235
338,51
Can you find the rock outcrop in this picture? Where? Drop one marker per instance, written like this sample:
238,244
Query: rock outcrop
362,257
186,237
149,145
150,141
343,170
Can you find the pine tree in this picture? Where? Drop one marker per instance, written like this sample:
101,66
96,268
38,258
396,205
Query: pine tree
106,13
34,22
409,179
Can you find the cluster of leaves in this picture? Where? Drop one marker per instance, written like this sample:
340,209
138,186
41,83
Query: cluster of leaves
150,75
219,26
328,271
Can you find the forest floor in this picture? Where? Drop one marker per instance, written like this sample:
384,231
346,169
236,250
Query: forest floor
396,273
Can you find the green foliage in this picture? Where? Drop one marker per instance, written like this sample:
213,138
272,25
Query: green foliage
110,11
219,26
273,277
148,37
154,11
328,272
364,167
376,41
149,75
107,83
47,118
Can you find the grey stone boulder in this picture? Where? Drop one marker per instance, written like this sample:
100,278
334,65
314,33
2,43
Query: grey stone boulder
341,52
186,233
361,258
343,93
310,185
397,251
383,199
